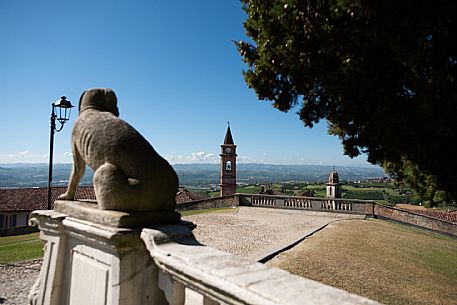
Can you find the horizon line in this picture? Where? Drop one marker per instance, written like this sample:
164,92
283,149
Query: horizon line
193,163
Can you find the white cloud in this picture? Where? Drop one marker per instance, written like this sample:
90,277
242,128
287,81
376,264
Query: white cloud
202,156
205,157
68,155
23,157
247,159
195,157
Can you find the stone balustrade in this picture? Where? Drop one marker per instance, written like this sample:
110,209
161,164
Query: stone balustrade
102,257
340,205
309,203
193,274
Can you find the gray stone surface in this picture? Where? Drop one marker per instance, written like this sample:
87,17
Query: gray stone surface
91,263
16,281
89,210
129,175
254,232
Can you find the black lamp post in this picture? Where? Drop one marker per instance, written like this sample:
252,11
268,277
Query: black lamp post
61,111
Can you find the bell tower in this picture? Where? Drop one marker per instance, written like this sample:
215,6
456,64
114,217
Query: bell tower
228,164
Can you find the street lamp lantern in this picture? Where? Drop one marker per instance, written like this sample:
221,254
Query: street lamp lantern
61,111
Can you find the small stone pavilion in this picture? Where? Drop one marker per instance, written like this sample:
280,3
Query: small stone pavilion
333,185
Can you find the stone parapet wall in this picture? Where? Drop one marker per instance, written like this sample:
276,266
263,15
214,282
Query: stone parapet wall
351,206
190,273
415,219
87,262
217,202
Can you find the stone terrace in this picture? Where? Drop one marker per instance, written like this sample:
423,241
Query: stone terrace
250,232
254,232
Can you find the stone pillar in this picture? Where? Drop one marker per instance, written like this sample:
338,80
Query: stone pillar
96,257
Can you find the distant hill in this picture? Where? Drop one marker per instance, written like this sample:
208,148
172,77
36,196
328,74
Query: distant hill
255,172
36,175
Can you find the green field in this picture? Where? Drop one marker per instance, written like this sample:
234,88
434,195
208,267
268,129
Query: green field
20,248
250,189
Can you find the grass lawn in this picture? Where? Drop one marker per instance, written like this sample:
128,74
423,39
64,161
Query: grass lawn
20,248
387,262
250,189
204,211
319,189
214,194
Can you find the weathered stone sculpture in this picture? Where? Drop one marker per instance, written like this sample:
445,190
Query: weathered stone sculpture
129,175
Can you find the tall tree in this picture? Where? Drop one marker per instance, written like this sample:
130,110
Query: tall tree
382,73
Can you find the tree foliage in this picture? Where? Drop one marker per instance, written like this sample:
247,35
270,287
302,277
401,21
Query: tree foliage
382,73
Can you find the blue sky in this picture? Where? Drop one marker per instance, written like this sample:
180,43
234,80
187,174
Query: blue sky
173,66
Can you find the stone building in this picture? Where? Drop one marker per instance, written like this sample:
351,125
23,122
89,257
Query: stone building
268,190
228,165
16,205
333,185
185,195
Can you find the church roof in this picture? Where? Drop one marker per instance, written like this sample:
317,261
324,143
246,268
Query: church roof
228,137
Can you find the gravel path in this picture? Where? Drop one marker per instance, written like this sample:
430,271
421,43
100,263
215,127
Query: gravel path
256,232
249,232
16,281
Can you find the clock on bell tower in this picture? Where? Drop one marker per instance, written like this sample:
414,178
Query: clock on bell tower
228,165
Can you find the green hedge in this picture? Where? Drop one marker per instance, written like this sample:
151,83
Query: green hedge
403,199
364,195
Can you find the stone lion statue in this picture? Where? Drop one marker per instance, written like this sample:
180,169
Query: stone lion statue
129,175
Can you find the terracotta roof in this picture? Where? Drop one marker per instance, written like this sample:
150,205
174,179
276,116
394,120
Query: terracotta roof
29,199
184,195
446,216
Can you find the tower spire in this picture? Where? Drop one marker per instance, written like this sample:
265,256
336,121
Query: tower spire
228,136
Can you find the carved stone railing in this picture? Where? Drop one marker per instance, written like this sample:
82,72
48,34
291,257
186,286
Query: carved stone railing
298,202
92,258
263,200
193,274
309,203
